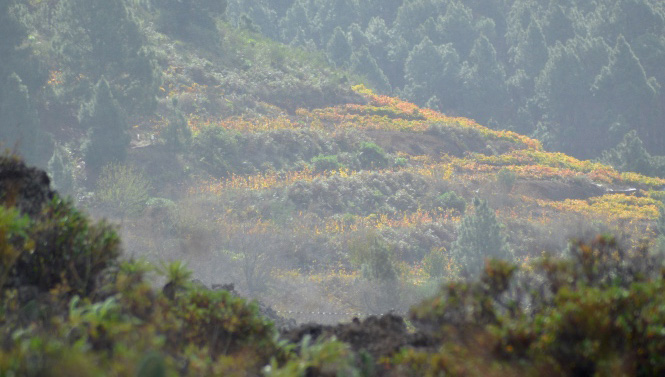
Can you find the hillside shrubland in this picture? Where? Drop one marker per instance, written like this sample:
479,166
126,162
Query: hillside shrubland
74,307
257,186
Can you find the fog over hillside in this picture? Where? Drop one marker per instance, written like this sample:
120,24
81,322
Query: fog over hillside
417,187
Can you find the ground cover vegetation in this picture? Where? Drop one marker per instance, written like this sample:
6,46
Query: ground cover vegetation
74,307
226,157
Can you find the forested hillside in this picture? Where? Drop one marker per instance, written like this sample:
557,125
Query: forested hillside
320,157
577,75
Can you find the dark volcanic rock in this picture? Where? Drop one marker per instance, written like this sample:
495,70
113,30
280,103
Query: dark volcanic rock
24,187
379,336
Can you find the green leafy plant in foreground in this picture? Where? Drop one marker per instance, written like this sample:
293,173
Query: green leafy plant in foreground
65,248
320,358
599,312
13,229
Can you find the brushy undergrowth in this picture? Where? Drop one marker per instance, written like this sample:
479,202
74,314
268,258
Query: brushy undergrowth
69,306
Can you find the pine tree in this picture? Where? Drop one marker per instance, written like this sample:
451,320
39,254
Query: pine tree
411,15
335,13
295,22
177,134
188,18
458,27
484,81
479,238
432,71
338,48
61,171
633,18
564,91
357,37
102,37
364,64
531,53
630,155
557,25
108,138
13,34
19,122
624,86
383,9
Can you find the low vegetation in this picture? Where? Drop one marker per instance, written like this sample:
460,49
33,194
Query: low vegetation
71,306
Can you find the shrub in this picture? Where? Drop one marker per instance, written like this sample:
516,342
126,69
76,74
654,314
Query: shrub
321,358
435,263
450,199
66,248
595,313
372,156
222,323
373,256
13,240
122,190
216,149
326,163
506,179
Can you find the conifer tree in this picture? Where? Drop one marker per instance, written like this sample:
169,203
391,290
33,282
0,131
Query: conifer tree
484,81
411,15
531,53
13,33
338,48
432,71
184,18
479,238
564,91
19,122
102,37
558,27
61,171
458,27
177,134
624,85
295,22
630,155
335,13
357,37
364,64
378,39
108,138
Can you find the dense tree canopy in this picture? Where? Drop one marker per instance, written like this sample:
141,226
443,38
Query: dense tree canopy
579,75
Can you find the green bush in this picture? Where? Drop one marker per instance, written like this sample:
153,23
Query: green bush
222,323
122,190
506,179
321,358
450,199
326,163
13,240
216,149
435,263
599,312
373,256
66,248
372,156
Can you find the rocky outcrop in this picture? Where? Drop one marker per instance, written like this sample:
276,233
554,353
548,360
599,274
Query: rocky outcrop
24,187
